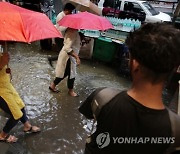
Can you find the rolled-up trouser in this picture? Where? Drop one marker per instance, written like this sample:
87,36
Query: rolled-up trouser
11,121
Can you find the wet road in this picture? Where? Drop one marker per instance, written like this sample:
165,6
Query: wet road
64,129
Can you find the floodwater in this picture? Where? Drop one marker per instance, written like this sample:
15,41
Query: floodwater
64,129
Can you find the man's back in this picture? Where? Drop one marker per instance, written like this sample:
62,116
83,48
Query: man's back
131,128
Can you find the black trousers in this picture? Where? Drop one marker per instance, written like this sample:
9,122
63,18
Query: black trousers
70,82
11,121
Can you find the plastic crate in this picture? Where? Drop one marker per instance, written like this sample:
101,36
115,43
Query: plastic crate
104,49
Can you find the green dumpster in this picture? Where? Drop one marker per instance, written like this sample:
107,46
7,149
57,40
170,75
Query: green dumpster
104,49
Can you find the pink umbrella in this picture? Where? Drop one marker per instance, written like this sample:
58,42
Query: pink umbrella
22,25
85,20
19,24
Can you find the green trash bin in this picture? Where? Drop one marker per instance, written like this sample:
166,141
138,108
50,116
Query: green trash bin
104,49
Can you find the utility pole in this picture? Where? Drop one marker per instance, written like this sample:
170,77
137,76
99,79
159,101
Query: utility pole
176,13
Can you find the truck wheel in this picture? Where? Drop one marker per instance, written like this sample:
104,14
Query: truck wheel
46,44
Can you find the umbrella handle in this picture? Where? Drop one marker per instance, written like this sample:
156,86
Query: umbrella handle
5,46
8,70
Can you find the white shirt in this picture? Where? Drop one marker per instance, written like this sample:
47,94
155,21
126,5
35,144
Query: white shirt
72,41
61,29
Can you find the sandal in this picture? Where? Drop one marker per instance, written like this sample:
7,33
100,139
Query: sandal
33,129
9,139
54,90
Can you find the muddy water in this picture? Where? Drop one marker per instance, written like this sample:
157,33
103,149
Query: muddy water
64,129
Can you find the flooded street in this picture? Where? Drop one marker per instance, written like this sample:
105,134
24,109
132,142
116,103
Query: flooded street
64,129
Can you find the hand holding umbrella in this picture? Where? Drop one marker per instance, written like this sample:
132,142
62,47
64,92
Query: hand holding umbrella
18,24
4,60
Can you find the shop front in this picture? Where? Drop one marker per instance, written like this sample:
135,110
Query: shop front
109,46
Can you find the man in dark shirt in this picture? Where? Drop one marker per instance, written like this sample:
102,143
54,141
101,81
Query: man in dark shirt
136,121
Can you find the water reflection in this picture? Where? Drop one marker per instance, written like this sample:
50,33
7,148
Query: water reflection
64,129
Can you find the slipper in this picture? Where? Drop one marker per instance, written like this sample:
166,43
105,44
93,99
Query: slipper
9,139
31,130
54,90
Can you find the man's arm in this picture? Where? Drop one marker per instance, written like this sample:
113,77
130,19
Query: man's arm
72,53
